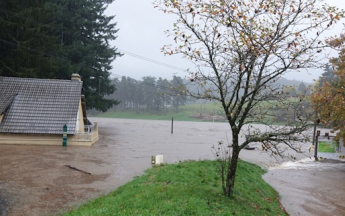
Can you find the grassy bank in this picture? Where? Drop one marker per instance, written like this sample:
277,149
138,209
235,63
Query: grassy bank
276,115
183,114
188,188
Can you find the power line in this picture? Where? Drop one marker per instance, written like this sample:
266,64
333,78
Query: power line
174,92
43,53
33,50
56,57
151,60
134,55
124,51
30,49
20,16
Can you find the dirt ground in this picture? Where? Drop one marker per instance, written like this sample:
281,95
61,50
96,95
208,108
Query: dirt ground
34,180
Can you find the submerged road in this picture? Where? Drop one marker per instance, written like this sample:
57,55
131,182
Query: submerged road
310,188
35,180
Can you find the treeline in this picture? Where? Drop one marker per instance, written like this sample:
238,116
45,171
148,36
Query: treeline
55,38
149,94
156,94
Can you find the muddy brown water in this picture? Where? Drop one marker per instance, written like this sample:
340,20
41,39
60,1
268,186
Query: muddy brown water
310,188
35,181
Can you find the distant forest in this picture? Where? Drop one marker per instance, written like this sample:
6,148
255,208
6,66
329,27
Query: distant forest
150,94
153,94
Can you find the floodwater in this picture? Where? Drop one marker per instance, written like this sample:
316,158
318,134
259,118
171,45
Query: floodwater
310,187
35,181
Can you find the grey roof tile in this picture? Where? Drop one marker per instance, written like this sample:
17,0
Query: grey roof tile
38,106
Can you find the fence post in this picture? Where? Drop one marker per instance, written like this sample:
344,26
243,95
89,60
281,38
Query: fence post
316,144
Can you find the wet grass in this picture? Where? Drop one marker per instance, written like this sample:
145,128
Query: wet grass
185,112
328,147
188,188
183,115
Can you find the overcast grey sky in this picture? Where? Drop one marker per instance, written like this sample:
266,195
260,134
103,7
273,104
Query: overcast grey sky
142,33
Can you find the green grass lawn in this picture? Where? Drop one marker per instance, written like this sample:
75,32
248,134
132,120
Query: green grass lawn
182,115
327,147
188,188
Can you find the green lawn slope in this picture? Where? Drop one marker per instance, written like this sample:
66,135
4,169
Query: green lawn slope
183,115
188,188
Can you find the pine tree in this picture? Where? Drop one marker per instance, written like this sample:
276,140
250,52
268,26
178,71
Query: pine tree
301,87
84,32
150,91
327,76
164,92
178,96
25,46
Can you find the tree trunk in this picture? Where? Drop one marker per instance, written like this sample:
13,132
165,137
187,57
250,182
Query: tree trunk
232,167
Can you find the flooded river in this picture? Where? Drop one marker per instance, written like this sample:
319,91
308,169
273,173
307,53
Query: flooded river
35,181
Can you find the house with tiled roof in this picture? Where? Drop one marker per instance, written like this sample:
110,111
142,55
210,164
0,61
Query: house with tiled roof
34,111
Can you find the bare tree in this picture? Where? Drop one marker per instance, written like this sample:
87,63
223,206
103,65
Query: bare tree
241,47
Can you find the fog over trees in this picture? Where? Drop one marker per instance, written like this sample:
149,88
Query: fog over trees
149,94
